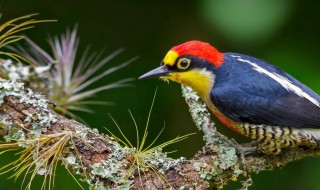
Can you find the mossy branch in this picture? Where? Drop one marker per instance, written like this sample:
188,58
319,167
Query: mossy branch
46,138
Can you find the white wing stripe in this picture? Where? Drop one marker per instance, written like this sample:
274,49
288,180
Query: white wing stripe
283,81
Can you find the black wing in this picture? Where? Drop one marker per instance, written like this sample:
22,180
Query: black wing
254,97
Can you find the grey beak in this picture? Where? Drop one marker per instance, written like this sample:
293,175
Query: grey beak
157,72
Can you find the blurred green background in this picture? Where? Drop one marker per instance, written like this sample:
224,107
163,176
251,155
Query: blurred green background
285,33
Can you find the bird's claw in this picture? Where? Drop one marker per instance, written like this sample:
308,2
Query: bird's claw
243,149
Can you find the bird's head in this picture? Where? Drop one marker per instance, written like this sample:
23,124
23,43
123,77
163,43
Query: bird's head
192,63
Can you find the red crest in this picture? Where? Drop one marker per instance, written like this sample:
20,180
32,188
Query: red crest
200,50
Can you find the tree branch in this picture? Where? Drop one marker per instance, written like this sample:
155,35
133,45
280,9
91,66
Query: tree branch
28,123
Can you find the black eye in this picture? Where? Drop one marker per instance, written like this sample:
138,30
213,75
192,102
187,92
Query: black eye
183,63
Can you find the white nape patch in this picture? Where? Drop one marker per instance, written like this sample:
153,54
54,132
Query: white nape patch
283,81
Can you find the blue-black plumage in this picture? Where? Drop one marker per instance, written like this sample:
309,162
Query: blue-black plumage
245,91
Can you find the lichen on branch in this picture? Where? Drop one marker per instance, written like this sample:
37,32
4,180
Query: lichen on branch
46,139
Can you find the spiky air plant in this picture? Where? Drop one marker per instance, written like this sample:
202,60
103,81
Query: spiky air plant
64,78
146,158
40,156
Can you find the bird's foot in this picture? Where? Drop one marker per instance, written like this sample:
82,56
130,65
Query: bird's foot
243,149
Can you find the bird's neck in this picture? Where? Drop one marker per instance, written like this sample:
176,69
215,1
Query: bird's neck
201,81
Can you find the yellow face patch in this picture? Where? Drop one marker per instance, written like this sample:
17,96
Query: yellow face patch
199,80
170,58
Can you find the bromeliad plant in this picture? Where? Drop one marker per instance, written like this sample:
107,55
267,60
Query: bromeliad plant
60,75
67,77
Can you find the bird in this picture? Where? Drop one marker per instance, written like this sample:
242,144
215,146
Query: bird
249,95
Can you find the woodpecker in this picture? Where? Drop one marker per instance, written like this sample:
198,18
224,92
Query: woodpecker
247,94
